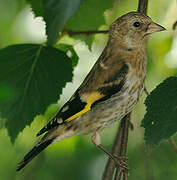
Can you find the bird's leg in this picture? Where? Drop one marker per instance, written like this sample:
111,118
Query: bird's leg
119,160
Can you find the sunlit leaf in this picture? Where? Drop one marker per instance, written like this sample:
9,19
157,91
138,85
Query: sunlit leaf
160,120
33,76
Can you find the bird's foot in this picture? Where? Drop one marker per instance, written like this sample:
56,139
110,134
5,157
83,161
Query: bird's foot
121,162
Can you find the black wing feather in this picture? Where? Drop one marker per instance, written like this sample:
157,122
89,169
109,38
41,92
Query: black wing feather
34,152
74,106
53,123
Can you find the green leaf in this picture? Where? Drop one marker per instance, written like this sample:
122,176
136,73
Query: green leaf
87,39
90,16
69,50
160,120
56,13
33,76
37,7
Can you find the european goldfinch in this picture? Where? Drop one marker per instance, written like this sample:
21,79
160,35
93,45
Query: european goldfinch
109,91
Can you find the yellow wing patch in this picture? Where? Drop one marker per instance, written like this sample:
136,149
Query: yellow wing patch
90,99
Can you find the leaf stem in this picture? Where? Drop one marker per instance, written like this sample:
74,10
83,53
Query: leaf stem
172,142
146,91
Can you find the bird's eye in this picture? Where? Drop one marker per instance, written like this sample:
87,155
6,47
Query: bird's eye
136,24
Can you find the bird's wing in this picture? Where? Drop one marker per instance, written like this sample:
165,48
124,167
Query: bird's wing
98,86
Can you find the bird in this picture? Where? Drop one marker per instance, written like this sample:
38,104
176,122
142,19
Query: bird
110,90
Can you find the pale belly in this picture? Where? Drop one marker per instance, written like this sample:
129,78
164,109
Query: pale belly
111,110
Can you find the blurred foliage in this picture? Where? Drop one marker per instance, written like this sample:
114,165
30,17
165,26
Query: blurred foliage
76,158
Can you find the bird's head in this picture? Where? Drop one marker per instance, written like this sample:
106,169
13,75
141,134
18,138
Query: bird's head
133,29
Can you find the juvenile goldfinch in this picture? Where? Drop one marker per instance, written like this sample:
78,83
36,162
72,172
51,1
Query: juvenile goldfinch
110,90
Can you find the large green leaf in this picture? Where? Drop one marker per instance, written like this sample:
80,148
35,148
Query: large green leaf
160,120
56,13
32,77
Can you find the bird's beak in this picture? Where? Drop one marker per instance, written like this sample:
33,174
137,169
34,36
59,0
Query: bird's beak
154,27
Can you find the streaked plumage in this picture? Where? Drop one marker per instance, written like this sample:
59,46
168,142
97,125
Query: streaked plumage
110,90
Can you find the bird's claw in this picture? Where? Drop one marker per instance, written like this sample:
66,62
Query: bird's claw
120,161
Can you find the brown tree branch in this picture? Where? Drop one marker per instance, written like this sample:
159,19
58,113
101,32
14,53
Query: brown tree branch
125,124
110,166
142,6
119,149
74,33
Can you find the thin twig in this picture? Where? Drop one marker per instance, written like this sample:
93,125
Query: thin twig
118,175
87,33
142,6
110,166
73,33
125,176
172,142
146,91
174,25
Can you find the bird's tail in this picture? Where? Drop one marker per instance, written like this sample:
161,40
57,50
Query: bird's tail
51,137
33,153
